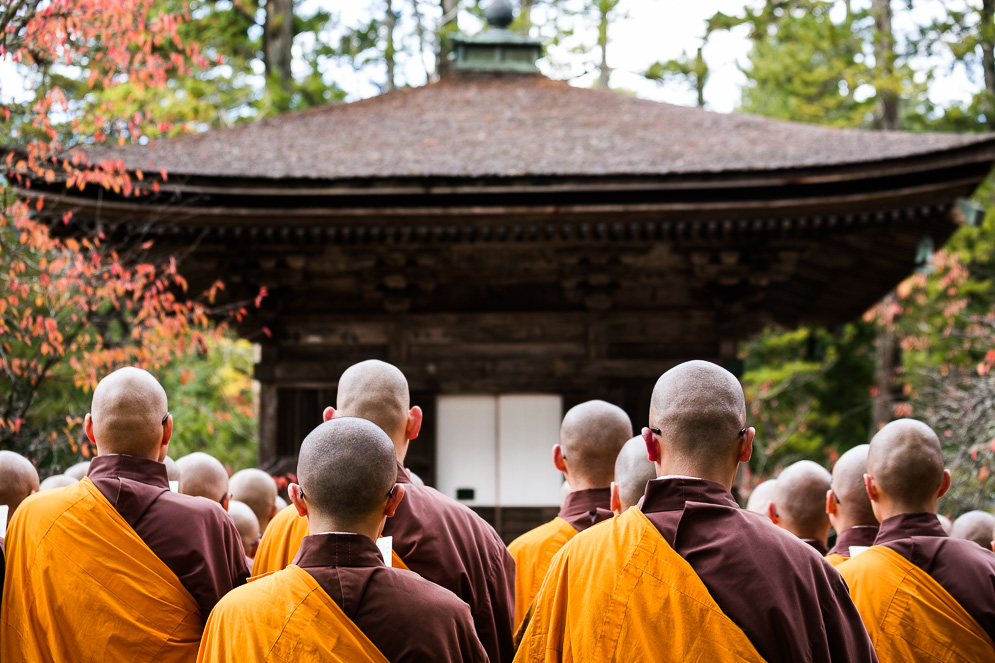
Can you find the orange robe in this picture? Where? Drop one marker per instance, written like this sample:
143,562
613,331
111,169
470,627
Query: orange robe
619,592
283,616
910,616
282,540
88,588
836,559
533,551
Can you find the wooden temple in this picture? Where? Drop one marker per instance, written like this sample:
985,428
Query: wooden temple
517,245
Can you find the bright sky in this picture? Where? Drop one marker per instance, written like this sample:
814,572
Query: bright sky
650,30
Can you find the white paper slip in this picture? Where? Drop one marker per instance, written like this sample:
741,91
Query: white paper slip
174,486
386,545
856,550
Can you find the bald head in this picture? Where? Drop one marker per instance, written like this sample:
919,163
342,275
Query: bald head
378,392
761,496
945,523
852,505
172,469
632,470
346,468
800,500
699,408
18,479
56,481
906,463
127,414
257,489
202,475
79,470
591,436
975,526
246,524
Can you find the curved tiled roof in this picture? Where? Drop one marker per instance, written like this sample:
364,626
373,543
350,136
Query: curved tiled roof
475,126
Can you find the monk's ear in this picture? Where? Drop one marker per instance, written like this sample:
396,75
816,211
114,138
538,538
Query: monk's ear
394,500
167,431
746,444
558,458
297,499
944,484
88,427
772,513
616,501
225,501
652,445
413,427
871,487
328,414
831,506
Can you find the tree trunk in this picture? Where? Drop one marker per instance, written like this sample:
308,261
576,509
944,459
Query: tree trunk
889,357
390,21
278,42
886,117
605,71
525,15
987,30
447,28
700,77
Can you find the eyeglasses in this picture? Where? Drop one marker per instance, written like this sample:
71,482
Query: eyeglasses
835,496
223,498
164,419
657,431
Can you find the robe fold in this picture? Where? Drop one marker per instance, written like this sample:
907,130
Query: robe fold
534,550
619,592
909,615
88,587
283,616
282,540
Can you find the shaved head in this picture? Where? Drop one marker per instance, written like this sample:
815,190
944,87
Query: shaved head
591,436
79,470
632,470
853,504
246,524
945,523
761,495
699,408
906,462
800,499
56,481
975,526
18,479
376,391
257,489
346,467
172,469
203,475
127,412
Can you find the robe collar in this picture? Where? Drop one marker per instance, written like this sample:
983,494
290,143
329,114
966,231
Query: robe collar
583,508
819,546
672,493
861,535
402,474
123,466
335,549
906,525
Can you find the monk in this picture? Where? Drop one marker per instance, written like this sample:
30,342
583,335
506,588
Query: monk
591,435
247,526
257,489
761,496
172,473
922,594
18,480
56,481
799,503
632,472
338,601
848,506
945,523
433,535
974,526
203,475
79,470
137,568
688,575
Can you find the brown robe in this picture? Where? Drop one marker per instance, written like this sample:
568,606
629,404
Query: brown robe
963,568
789,601
407,617
193,536
818,545
445,542
583,508
861,535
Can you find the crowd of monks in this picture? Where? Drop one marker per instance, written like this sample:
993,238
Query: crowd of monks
134,557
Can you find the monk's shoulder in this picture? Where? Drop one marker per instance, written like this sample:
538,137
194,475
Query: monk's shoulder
421,598
967,553
588,543
442,510
534,538
196,511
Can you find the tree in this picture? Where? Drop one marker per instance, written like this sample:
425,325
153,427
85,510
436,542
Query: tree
72,306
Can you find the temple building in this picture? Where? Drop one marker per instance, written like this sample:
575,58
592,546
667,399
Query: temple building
517,245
